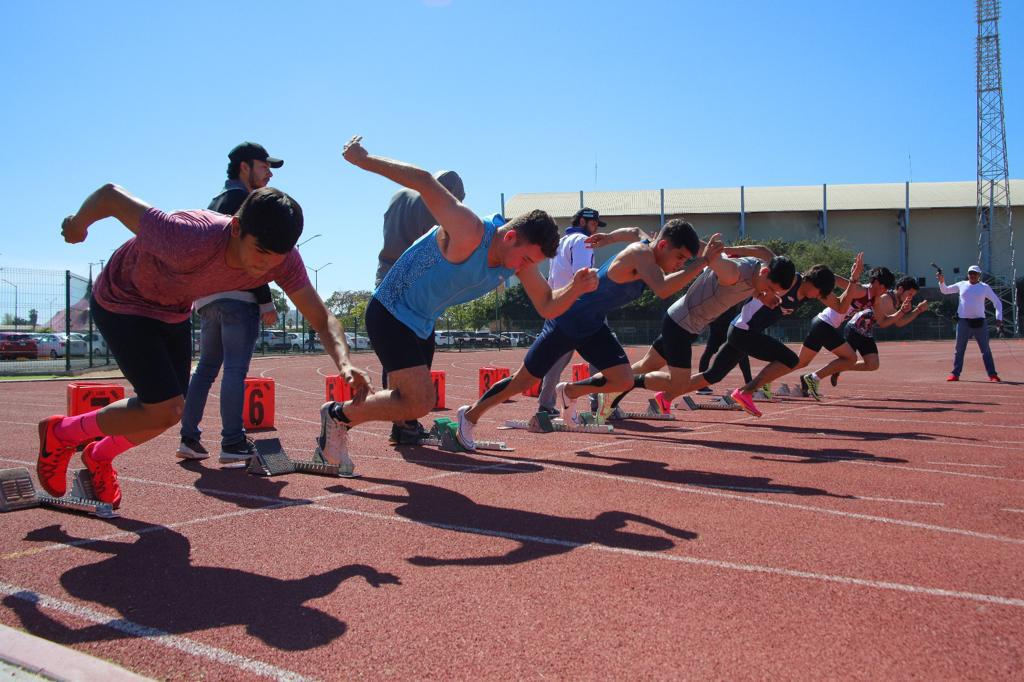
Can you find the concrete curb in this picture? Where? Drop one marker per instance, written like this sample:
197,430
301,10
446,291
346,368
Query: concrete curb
53,661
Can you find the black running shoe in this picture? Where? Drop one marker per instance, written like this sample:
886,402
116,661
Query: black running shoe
410,433
834,379
805,391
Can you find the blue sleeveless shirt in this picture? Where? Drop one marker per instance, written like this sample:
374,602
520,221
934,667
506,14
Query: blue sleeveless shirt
589,312
422,284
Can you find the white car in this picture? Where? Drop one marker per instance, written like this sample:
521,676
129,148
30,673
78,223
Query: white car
99,344
54,345
357,341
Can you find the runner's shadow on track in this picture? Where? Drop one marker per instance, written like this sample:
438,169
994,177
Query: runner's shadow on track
539,535
870,436
152,583
929,401
239,488
810,456
896,408
442,460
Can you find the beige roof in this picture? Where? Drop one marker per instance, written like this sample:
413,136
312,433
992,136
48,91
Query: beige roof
759,199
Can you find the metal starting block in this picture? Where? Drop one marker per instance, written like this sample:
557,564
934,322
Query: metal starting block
443,436
271,460
783,390
18,492
653,413
717,403
543,423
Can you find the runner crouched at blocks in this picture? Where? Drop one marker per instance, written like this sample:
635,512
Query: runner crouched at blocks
142,305
457,261
584,327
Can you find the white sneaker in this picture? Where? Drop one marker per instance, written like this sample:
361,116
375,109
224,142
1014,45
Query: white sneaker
332,445
465,433
566,406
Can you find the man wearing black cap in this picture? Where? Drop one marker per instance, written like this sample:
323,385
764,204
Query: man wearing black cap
248,169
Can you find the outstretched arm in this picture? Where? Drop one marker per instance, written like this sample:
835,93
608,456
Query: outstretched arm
109,201
464,229
912,315
727,271
550,304
762,253
623,234
664,285
332,335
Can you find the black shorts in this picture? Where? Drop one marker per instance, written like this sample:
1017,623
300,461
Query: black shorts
600,349
395,344
864,345
155,356
675,344
823,334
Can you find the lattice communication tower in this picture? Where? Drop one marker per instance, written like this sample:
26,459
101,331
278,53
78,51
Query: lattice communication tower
995,224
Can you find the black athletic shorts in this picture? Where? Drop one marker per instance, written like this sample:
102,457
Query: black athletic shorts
600,349
155,356
864,345
755,344
675,344
395,344
823,334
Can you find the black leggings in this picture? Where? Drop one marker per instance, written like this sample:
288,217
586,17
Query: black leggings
742,343
717,332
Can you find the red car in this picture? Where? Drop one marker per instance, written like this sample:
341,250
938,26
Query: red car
14,346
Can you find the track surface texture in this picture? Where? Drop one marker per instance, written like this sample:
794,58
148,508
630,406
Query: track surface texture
878,533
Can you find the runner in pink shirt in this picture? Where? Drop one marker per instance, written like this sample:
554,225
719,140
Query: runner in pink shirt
142,302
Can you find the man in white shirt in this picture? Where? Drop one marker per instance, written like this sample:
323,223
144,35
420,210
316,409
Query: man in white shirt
971,312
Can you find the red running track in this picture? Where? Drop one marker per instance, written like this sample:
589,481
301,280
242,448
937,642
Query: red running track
879,533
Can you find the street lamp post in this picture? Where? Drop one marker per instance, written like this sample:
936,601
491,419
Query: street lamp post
316,281
307,240
15,302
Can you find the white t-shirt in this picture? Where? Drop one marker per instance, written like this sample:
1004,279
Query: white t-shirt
972,299
572,255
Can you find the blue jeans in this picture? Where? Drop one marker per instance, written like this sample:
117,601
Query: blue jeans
229,329
548,382
964,332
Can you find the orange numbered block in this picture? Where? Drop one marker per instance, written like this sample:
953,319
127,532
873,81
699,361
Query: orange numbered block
533,391
337,389
437,378
580,371
84,396
490,376
258,408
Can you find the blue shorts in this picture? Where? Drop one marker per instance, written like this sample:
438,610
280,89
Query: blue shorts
600,349
675,344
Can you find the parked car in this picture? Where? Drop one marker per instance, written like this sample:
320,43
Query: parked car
99,344
442,339
278,340
55,345
357,341
14,346
514,338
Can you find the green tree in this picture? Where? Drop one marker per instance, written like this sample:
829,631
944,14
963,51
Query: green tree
280,302
33,317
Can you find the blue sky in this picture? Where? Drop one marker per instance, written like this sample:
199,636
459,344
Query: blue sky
517,96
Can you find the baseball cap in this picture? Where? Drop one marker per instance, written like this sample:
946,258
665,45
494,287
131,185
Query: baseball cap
589,214
974,268
251,151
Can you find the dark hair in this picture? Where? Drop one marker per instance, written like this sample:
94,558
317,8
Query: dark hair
884,277
234,168
680,234
782,271
907,282
537,227
272,217
823,279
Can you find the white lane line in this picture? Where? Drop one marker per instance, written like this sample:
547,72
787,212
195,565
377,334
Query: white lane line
154,635
899,501
727,565
960,464
1015,511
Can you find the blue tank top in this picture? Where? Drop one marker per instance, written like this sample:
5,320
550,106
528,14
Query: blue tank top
590,311
422,284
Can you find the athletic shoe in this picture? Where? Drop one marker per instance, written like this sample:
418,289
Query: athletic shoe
408,433
332,444
190,448
952,377
465,433
54,455
553,411
104,478
804,391
664,404
766,391
812,385
241,451
746,401
567,407
707,390
994,378
834,379
605,407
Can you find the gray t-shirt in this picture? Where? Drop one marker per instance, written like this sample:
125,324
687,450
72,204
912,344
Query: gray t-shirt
706,299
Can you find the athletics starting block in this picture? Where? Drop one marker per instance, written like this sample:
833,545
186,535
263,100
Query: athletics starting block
543,423
653,413
18,492
271,460
783,390
442,436
717,403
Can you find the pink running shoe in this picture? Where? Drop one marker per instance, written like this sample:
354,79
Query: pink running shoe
746,401
104,478
664,404
54,455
